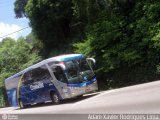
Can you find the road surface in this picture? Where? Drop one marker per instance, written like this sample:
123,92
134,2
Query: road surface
141,99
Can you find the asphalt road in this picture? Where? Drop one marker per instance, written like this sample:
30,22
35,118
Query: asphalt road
141,99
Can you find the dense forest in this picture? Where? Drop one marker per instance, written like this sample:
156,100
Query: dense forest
122,35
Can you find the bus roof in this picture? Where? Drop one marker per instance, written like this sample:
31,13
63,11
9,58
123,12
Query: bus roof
57,58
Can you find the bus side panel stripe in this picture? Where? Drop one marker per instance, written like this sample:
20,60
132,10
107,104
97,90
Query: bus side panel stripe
82,84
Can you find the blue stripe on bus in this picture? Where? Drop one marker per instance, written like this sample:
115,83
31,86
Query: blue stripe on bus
82,84
72,58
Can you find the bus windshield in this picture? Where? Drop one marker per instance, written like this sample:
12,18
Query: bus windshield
78,71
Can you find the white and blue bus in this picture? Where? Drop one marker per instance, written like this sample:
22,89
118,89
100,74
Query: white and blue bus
52,80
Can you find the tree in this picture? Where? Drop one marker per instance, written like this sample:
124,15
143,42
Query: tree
124,40
20,8
58,23
50,21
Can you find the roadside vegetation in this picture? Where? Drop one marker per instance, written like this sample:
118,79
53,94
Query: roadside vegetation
15,55
122,35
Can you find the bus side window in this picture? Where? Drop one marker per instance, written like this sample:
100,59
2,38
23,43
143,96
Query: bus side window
37,74
59,74
41,73
27,78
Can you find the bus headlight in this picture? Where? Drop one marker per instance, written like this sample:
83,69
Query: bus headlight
73,93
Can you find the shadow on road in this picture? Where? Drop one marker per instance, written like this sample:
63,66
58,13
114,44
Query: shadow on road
67,101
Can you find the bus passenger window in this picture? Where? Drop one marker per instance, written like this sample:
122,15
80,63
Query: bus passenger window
41,73
27,79
38,74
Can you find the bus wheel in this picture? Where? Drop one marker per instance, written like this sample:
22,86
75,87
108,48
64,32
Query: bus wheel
80,96
21,104
55,99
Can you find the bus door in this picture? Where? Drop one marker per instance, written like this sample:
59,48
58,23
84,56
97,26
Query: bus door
60,80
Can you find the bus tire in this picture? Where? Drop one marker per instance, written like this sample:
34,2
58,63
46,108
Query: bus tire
21,105
80,96
55,98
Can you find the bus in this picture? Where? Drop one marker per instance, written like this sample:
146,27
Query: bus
52,80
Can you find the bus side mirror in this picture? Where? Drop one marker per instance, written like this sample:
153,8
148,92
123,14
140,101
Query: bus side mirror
92,62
